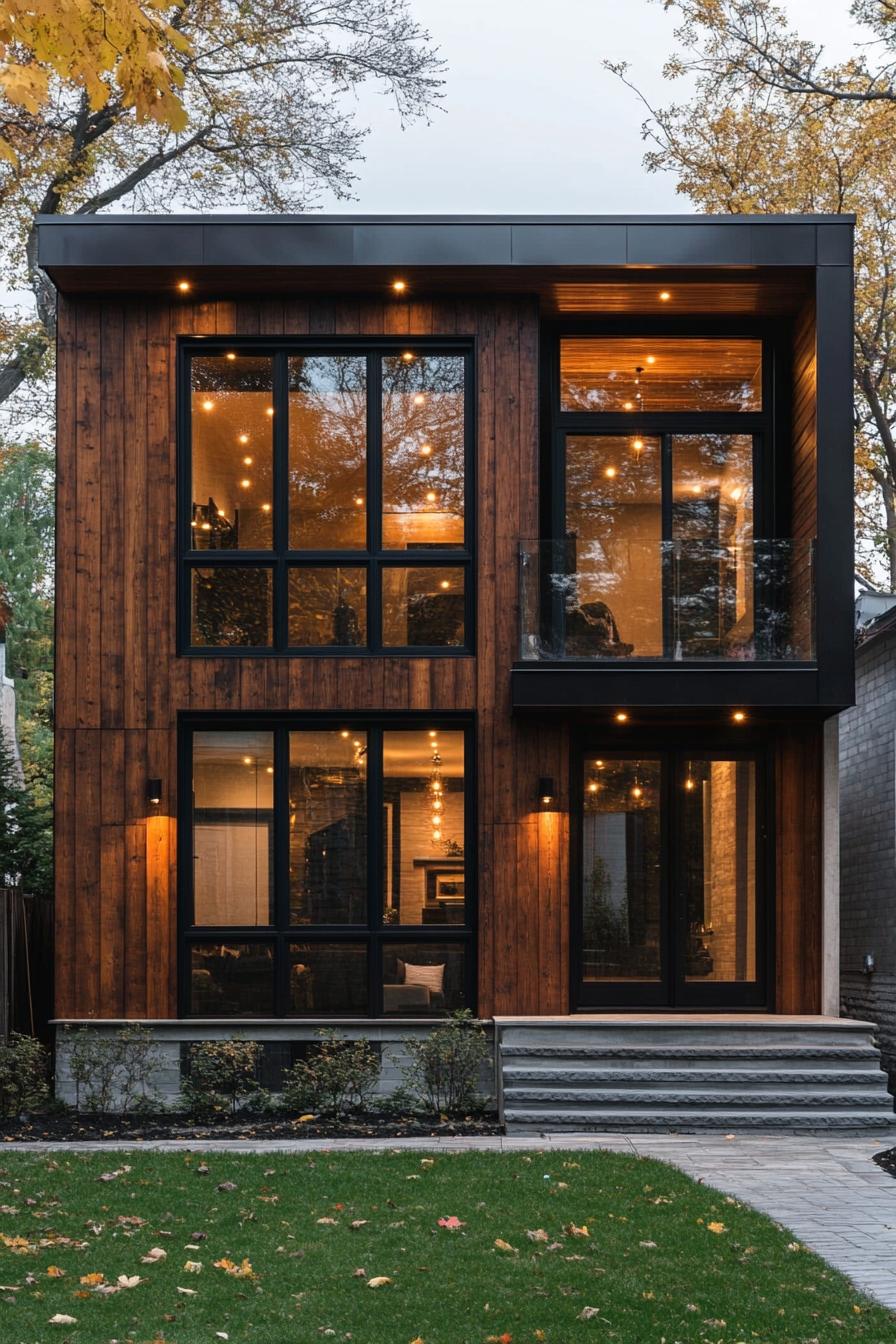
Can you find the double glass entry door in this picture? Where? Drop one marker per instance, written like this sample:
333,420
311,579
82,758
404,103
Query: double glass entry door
669,910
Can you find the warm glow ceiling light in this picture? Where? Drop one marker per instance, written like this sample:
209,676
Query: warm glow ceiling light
244,438
592,786
431,496
359,501
419,399
245,483
208,405
247,461
206,527
739,716
637,791
247,760
445,583
621,716
409,356
399,286
425,449
736,493
637,444
690,784
265,508
183,286
269,410
665,296
231,355
610,472
651,359
628,405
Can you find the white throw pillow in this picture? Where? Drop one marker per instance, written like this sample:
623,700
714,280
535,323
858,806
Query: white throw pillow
430,976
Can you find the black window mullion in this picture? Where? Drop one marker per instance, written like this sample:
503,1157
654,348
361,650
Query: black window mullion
281,862
668,563
281,498
375,850
374,498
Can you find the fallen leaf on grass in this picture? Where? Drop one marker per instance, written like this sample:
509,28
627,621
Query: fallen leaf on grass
225,1187
193,1266
537,1234
243,1270
452,1222
128,1280
152,1256
572,1231
379,1282
54,1272
328,1222
501,1245
359,1222
113,1175
715,1227
188,1292
588,1313
359,1273
793,1246
61,1319
647,1245
91,1280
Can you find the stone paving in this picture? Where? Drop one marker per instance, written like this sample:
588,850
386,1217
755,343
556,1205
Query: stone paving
826,1189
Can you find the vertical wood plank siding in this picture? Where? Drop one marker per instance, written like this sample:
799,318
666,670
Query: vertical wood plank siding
120,687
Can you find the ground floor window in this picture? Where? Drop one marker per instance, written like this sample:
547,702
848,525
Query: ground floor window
329,870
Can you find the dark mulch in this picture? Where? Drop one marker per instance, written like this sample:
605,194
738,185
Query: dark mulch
64,1126
887,1160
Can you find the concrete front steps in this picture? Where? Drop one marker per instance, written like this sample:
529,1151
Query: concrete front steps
681,1072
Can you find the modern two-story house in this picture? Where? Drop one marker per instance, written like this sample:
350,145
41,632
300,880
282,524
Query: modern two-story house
455,613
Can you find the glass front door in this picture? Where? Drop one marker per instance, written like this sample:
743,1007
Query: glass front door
668,908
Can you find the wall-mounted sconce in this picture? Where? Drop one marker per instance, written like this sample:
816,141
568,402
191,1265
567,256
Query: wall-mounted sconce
154,791
868,963
546,796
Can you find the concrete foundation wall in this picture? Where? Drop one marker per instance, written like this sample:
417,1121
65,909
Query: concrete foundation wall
172,1037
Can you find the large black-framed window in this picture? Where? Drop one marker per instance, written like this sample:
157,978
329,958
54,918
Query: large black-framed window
325,496
668,499
330,867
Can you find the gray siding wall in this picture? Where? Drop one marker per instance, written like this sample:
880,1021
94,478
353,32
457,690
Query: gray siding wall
868,843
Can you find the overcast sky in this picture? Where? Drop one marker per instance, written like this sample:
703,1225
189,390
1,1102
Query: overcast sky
532,122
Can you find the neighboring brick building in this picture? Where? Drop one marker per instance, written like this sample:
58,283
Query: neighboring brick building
868,836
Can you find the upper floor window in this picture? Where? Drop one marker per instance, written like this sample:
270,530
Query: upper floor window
324,498
641,375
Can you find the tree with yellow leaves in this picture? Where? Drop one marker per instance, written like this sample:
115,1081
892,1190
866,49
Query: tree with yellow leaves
770,126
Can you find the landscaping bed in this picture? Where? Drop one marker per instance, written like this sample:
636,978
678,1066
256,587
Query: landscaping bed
402,1248
113,1128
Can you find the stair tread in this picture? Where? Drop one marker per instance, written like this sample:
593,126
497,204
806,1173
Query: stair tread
688,1096
595,1076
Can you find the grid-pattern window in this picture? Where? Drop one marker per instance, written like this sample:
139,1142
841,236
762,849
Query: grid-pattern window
324,498
329,871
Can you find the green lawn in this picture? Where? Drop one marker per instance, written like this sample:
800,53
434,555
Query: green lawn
545,1237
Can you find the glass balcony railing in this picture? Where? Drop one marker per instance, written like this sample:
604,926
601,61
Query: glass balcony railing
671,601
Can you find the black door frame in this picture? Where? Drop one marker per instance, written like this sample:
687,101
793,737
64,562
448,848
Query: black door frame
671,992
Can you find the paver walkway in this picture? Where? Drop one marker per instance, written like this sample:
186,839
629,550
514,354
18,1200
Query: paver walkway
827,1190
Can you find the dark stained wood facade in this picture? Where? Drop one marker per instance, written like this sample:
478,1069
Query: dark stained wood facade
120,686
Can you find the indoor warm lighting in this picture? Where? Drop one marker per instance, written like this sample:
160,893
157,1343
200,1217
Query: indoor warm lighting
592,786
690,784
621,716
436,804
269,410
628,405
244,438
598,764
445,583
637,444
247,461
651,359
695,488
409,357
208,405
665,296
419,399
433,732
231,355
194,523
399,286
739,716
265,508
221,513
154,791
545,791
183,286
431,496
637,791
356,742
247,760
245,483
206,527
610,472
270,769
425,449
736,493
344,733
359,500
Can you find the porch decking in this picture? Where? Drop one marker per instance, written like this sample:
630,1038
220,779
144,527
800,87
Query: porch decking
690,1071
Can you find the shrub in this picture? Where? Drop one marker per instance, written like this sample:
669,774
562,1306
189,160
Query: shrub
24,1069
114,1072
443,1066
223,1077
339,1076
